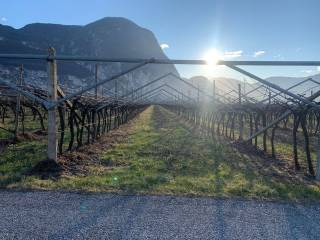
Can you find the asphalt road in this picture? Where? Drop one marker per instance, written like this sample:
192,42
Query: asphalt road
56,215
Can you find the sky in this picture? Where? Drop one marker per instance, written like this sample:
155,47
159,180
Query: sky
196,29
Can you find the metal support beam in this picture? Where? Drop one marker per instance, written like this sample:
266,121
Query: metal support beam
27,94
288,89
253,90
163,99
168,86
54,104
160,91
179,92
274,86
62,94
150,91
145,85
162,88
200,90
279,119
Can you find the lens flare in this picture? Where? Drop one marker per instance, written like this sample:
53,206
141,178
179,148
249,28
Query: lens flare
212,57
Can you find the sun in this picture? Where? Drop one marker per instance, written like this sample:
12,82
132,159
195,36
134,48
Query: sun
212,57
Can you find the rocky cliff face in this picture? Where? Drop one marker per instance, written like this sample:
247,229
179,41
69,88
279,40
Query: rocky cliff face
108,37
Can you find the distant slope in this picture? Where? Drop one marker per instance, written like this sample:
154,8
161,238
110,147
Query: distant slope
109,37
224,86
286,82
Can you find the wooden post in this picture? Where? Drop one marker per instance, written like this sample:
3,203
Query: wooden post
132,96
140,95
269,97
94,121
240,116
318,159
19,83
94,117
239,93
214,91
96,80
198,96
116,89
127,88
52,92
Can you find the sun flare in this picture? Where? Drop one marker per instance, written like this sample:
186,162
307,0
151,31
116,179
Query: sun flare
212,57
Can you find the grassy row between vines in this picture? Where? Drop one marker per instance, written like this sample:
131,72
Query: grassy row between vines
164,155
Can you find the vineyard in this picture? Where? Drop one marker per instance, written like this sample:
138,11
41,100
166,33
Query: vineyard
269,130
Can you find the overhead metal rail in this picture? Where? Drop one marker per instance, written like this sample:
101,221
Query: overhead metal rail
278,93
51,102
163,91
163,86
302,99
142,62
157,61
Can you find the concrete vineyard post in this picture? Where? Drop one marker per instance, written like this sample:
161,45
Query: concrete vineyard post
240,115
52,115
318,159
96,80
214,91
19,83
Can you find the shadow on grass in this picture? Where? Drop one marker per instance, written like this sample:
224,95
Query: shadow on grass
181,161
17,160
231,171
166,155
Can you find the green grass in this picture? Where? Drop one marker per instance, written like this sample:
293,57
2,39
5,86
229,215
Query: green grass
18,159
165,156
283,144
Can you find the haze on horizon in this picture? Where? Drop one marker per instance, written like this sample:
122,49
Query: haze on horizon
211,29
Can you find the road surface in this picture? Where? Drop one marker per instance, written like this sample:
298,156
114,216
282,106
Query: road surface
57,215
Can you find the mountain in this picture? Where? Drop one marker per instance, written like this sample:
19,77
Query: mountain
224,86
305,88
110,37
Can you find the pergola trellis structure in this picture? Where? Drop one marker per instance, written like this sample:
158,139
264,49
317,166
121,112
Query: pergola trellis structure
53,102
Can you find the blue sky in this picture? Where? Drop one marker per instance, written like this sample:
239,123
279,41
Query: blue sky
239,30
